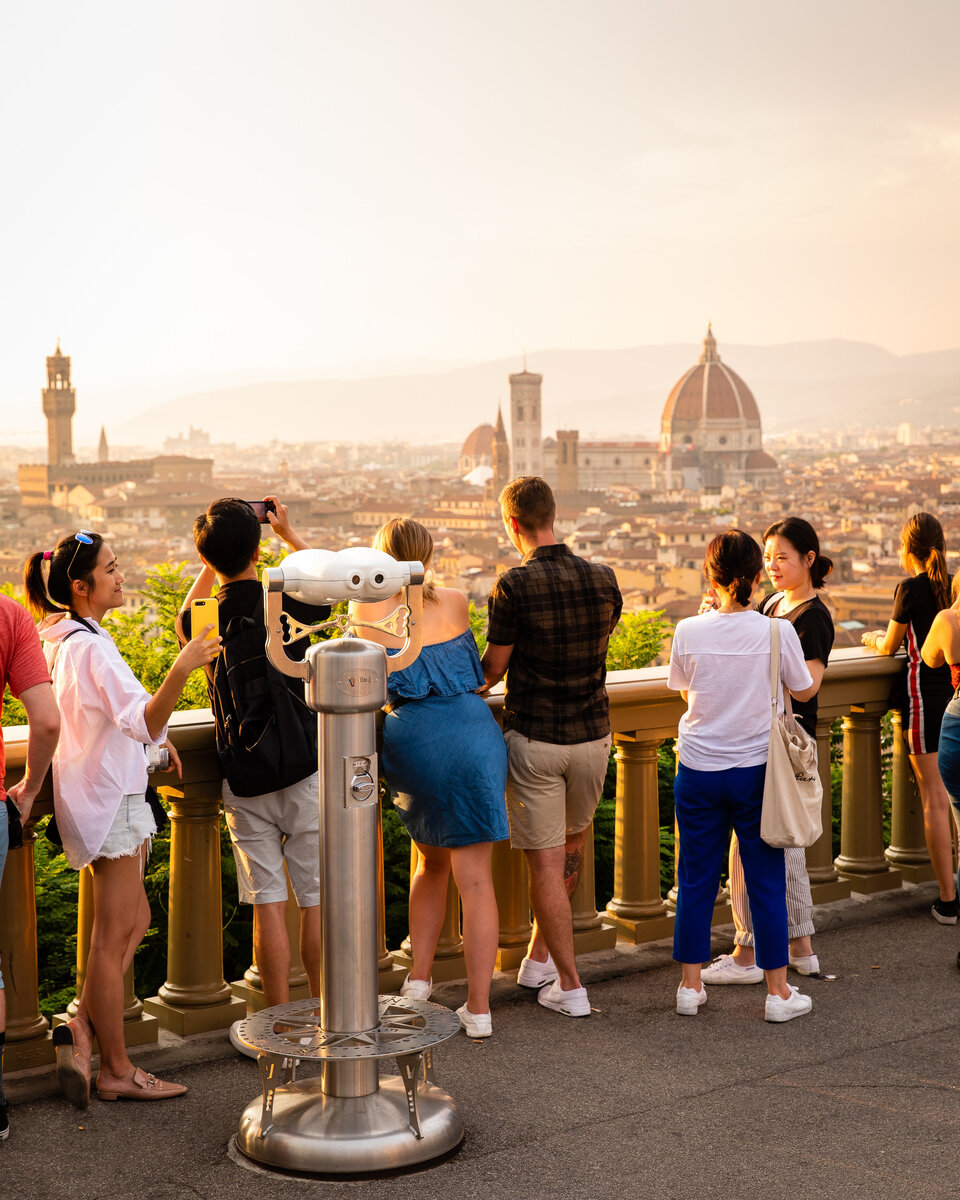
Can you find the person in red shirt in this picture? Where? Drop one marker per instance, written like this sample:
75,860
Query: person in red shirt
24,668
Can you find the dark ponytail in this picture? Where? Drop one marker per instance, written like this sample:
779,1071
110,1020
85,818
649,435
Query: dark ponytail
734,558
922,536
803,538
71,560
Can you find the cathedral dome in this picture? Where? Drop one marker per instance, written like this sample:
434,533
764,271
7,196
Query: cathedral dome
477,450
709,391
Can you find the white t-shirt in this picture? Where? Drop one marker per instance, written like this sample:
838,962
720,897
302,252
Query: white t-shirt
722,660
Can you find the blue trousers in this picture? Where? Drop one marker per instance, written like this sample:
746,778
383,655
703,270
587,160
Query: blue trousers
948,759
707,804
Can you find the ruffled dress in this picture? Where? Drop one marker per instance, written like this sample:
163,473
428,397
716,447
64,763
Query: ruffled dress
444,756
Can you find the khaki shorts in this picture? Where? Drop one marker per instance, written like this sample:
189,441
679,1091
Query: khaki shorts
552,791
268,831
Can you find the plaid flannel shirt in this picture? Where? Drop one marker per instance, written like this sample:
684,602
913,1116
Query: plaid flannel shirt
557,611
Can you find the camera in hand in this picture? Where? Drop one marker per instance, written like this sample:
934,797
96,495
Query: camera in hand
261,508
158,759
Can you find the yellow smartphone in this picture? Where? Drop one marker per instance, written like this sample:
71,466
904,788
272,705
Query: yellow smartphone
205,612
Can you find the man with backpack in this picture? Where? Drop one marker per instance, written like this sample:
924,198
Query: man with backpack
266,742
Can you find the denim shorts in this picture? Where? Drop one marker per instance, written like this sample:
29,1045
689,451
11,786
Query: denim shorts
132,826
4,845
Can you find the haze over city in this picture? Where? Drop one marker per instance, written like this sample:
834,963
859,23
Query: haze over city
214,194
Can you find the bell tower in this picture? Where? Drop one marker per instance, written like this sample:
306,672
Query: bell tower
526,449
59,405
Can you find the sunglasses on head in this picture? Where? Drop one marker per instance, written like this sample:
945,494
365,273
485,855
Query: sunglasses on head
83,537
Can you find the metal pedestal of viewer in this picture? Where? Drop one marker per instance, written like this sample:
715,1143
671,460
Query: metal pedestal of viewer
347,1120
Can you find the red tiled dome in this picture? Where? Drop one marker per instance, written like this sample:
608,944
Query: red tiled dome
710,391
479,442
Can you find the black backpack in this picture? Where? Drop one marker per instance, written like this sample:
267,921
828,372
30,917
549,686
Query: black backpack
266,734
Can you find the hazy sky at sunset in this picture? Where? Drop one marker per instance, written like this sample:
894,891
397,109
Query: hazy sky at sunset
201,187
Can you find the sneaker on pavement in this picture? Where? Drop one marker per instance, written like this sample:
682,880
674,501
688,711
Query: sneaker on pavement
726,969
237,1044
689,1000
573,1003
805,964
475,1025
4,1122
945,911
534,974
778,1009
416,989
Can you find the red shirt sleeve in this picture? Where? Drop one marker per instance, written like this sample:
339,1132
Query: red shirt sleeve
26,665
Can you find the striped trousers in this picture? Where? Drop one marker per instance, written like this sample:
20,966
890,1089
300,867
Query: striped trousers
799,900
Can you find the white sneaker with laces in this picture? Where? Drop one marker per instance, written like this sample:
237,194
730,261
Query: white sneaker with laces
475,1025
416,989
689,1001
534,974
573,1003
726,969
805,964
778,1009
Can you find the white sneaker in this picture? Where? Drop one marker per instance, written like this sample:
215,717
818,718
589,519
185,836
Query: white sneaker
726,969
475,1025
573,1003
778,1009
533,974
237,1044
416,989
689,1001
805,964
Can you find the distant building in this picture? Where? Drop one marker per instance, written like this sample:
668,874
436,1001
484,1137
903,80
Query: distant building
51,484
710,437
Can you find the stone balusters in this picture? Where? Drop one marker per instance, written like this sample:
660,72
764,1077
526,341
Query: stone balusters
861,860
637,907
195,997
908,846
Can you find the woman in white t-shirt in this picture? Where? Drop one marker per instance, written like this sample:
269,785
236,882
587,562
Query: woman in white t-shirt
720,662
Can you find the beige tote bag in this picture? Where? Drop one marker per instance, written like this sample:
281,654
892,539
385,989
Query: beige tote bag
792,792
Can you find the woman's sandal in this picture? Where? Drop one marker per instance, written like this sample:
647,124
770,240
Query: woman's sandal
143,1086
73,1067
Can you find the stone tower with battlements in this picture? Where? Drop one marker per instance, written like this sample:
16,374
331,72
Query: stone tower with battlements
59,405
526,439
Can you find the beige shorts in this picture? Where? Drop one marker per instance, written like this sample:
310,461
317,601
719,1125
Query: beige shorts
552,791
268,831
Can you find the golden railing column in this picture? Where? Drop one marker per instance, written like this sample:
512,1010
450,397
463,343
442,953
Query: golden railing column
637,907
908,845
511,883
591,931
195,997
825,882
861,859
448,962
28,1041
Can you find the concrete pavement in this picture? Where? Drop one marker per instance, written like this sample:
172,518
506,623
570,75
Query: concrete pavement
858,1099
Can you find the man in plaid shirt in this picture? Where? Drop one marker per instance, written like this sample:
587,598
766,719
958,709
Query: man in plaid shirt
550,620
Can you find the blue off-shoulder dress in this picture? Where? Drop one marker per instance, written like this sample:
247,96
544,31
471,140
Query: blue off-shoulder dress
444,756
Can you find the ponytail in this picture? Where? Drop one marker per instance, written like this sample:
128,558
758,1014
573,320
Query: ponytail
73,559
922,536
939,578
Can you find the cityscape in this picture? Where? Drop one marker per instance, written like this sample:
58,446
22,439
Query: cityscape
647,508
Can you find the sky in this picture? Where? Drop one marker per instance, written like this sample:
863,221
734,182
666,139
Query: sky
207,188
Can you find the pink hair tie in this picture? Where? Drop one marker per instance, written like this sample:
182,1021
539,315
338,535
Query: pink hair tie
47,555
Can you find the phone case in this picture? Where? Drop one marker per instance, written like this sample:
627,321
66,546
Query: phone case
205,612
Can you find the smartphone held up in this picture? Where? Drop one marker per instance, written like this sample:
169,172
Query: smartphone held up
261,508
205,612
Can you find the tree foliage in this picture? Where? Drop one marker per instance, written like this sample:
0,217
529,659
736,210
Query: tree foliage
636,641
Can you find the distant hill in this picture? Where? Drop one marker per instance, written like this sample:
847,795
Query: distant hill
603,393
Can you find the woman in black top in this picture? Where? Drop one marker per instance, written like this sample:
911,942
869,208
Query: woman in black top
797,569
916,602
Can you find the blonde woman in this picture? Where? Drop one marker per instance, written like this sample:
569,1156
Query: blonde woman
446,762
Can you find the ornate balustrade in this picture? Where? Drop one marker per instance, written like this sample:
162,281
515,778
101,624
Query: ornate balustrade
197,998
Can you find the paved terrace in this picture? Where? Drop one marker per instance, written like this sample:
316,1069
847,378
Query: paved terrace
858,1100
